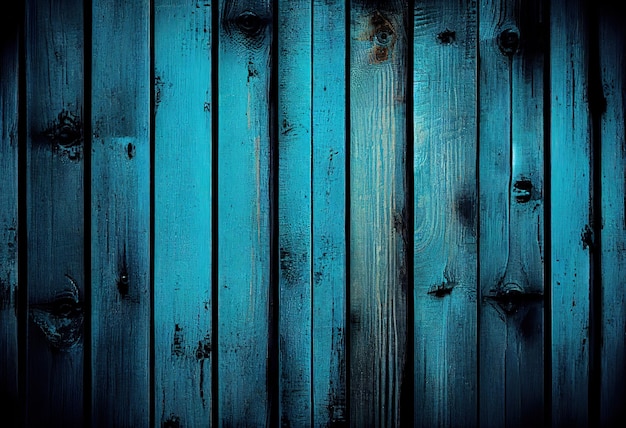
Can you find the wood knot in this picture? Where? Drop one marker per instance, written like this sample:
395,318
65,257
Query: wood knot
508,41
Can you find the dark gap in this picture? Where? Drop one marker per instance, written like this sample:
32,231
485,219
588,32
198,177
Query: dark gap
597,107
215,30
407,391
22,228
312,233
273,382
87,147
152,215
348,329
547,219
479,298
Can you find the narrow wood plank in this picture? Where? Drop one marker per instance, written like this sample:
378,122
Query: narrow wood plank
612,39
294,210
9,68
182,249
120,203
244,213
329,213
445,231
55,214
378,211
571,228
511,213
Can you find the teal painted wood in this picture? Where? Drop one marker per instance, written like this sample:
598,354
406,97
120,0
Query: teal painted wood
445,228
9,68
329,213
244,213
120,246
378,212
571,231
511,213
55,213
294,210
613,352
182,249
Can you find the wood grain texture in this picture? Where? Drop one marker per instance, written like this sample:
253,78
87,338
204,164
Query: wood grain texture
329,213
378,212
55,214
294,210
445,240
571,228
182,252
120,201
9,68
244,213
612,47
511,213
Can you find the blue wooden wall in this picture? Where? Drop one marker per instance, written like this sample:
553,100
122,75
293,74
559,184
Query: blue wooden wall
313,213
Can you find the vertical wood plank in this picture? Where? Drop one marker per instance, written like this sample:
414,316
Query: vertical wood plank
378,212
244,219
511,213
445,242
9,68
612,39
294,210
182,252
329,213
120,203
55,214
571,227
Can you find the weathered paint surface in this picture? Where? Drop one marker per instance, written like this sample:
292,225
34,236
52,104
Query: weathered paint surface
445,226
120,215
55,214
182,213
511,142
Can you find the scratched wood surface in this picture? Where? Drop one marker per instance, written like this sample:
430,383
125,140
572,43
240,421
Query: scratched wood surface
55,213
571,239
182,213
445,226
9,89
244,221
120,215
612,67
329,213
294,210
511,168
378,228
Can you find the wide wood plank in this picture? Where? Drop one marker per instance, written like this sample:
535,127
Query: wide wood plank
182,216
329,213
9,68
120,246
244,213
55,212
511,213
445,240
378,211
571,226
294,210
612,65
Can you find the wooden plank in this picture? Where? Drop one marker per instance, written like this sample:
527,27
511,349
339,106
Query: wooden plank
244,213
294,210
120,203
9,68
378,211
445,197
329,213
55,213
571,226
511,213
182,252
612,45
